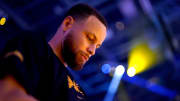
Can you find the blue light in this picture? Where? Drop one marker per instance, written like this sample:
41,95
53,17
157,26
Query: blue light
119,71
106,68
152,87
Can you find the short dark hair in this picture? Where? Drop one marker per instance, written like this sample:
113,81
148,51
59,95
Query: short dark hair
81,11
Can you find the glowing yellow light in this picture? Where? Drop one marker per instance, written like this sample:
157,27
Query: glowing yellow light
131,71
2,21
141,58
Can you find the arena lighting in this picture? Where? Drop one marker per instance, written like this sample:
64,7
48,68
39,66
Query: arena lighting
131,72
2,21
141,58
106,68
119,71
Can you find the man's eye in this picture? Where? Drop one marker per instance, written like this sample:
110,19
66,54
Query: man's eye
91,37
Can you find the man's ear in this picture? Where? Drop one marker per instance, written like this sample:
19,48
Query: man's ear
67,23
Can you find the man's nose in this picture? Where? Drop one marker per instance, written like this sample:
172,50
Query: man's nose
91,49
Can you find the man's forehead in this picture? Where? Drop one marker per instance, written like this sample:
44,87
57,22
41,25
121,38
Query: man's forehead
94,26
94,19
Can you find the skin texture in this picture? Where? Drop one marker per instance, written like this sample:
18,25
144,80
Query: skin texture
77,40
11,90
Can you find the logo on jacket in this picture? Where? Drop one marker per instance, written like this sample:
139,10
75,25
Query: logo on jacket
73,84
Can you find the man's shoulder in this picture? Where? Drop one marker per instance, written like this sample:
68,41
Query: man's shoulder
26,45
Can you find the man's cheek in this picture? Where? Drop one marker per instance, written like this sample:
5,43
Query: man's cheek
78,58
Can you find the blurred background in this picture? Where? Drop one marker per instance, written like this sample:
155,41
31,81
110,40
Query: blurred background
143,36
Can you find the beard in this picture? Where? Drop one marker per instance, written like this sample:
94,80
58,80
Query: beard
71,55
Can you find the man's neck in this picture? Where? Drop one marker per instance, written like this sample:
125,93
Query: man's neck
57,50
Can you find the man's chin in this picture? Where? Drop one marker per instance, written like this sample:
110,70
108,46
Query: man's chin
77,67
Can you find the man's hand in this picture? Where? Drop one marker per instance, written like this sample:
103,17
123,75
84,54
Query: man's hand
11,90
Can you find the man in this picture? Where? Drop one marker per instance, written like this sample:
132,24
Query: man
36,70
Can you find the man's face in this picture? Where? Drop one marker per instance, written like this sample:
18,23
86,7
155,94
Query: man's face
82,40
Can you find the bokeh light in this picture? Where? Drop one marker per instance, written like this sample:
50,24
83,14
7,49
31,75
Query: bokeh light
131,71
2,21
106,68
120,70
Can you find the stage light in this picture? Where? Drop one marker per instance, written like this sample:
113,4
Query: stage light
118,74
120,25
131,71
106,68
119,70
141,58
2,21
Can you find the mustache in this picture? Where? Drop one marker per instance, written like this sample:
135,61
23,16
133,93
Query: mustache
85,54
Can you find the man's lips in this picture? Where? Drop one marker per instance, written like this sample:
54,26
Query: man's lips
85,56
